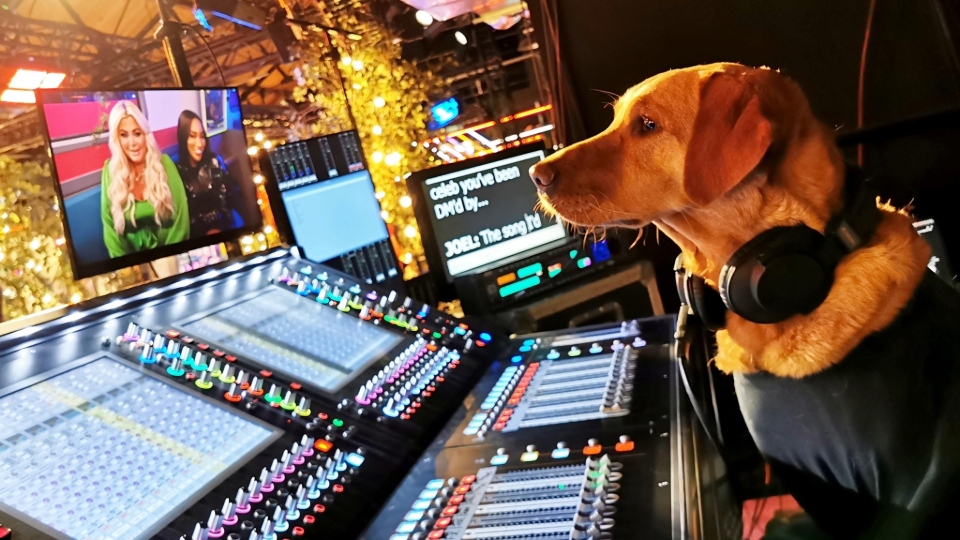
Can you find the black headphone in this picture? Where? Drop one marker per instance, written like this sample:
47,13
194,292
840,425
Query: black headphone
783,271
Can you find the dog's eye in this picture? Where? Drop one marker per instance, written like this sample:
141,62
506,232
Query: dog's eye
648,124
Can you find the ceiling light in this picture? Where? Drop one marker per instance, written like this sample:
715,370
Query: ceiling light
18,96
424,18
27,79
53,80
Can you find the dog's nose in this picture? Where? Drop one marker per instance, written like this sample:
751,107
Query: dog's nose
543,175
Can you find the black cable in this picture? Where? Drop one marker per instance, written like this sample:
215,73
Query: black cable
210,50
695,406
713,391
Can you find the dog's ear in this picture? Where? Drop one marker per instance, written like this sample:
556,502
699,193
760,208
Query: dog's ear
730,137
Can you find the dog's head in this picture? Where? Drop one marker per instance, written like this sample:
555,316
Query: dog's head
682,141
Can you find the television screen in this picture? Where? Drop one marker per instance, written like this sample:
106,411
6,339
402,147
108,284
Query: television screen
144,174
480,213
331,209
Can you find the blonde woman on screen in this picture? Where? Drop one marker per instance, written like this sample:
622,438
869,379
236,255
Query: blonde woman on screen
143,204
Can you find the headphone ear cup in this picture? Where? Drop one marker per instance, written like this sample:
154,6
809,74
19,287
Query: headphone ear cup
778,274
706,303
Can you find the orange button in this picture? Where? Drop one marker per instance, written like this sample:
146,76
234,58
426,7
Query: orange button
456,499
434,535
624,446
450,510
592,450
506,278
442,523
468,479
461,490
323,445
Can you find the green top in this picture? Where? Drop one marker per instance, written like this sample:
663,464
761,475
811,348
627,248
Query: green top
147,234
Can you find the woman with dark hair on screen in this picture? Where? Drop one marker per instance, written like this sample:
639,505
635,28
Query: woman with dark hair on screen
142,201
214,196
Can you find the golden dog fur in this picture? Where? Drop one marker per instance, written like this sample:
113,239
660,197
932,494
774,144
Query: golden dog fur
714,155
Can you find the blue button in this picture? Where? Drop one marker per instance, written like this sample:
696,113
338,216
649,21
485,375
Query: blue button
355,460
553,355
434,484
413,515
526,348
485,336
355,289
529,342
499,459
517,359
429,493
458,330
407,527
421,505
560,453
471,431
400,537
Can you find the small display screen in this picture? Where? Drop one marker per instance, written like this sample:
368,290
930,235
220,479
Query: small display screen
332,207
297,336
939,262
148,174
484,214
103,451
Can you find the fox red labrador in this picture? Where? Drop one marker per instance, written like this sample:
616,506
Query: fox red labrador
854,402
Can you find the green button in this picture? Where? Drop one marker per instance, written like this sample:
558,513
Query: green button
337,422
437,335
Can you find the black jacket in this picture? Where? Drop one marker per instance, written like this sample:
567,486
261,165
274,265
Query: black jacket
213,196
870,448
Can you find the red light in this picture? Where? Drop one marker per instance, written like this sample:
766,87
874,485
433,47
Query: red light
468,479
337,488
532,112
323,445
203,346
456,499
592,450
434,535
462,489
231,358
232,399
319,508
442,523
295,386
218,353
624,446
322,416
308,519
298,531
173,334
266,373
450,510
479,344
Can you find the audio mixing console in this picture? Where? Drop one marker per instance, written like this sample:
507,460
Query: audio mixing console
276,399
273,399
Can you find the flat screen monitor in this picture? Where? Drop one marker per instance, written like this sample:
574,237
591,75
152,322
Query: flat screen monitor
145,174
330,208
480,213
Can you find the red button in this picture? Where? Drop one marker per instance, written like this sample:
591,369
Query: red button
295,386
442,523
468,479
173,334
323,445
456,499
592,450
191,376
337,488
461,490
308,519
440,379
231,358
434,535
624,446
319,508
298,531
218,353
203,346
266,373
450,510
188,340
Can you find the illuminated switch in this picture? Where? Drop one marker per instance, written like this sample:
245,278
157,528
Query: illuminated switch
553,354
596,349
531,454
434,535
435,484
450,510
625,444
442,523
455,500
462,490
592,448
561,451
501,457
574,351
638,342
468,479
323,445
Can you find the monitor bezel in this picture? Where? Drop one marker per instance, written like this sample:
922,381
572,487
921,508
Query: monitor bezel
81,270
280,216
421,209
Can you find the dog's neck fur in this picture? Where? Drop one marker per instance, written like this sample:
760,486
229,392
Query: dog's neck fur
871,285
